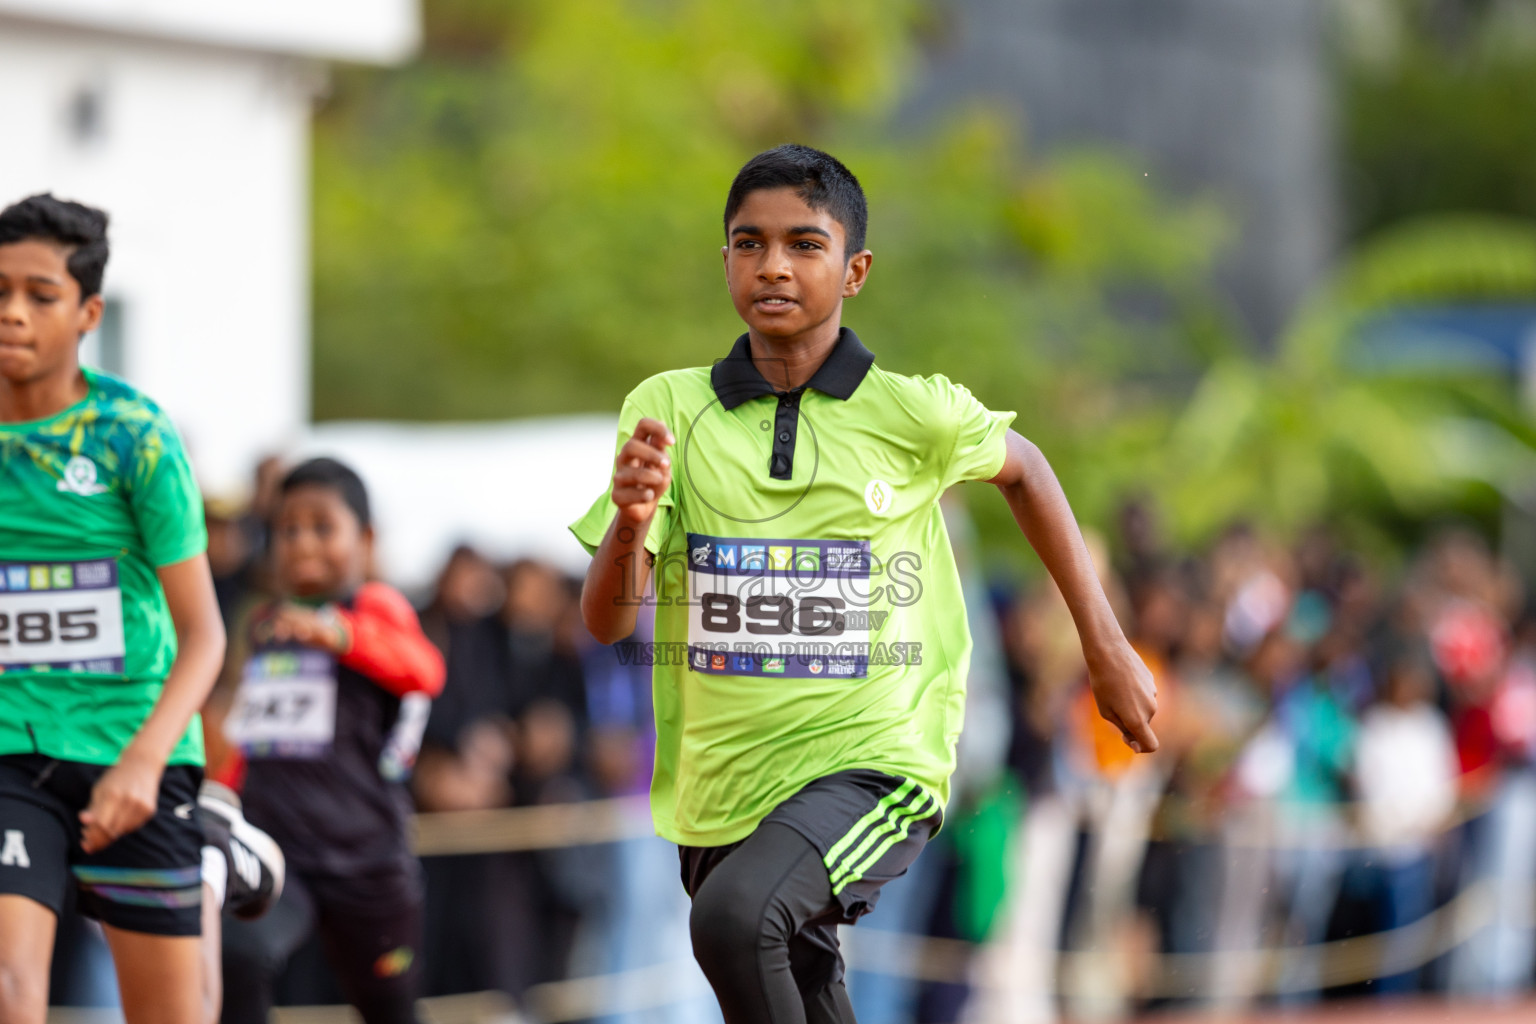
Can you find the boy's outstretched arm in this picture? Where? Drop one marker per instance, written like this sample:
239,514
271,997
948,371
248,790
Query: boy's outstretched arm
125,797
621,567
1122,685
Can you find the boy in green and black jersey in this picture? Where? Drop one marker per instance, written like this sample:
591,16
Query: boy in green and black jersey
812,642
110,639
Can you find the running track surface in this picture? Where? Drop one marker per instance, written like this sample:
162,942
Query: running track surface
1369,1011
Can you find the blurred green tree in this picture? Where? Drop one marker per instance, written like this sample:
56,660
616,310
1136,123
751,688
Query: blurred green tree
1314,434
1438,104
525,221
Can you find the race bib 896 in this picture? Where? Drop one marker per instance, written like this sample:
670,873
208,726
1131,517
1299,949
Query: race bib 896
795,608
61,615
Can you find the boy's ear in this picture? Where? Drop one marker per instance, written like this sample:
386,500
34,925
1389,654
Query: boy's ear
370,554
857,273
90,314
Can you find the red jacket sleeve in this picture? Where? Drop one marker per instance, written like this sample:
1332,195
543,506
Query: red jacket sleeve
388,645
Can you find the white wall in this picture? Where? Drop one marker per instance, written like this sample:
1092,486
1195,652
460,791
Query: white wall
202,161
380,31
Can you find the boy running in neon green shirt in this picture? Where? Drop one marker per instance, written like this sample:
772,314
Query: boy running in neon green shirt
812,647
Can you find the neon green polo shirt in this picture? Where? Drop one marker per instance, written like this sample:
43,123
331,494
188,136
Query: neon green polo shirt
92,501
809,616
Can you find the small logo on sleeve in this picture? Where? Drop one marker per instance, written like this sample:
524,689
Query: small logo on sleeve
80,477
878,496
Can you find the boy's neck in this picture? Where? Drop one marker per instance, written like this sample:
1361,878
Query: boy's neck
43,397
789,363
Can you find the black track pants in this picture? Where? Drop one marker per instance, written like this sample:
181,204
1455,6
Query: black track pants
371,928
764,926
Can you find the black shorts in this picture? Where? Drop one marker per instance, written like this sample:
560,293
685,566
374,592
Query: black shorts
868,827
150,880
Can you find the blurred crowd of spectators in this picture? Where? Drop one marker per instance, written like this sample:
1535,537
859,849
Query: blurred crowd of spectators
1343,751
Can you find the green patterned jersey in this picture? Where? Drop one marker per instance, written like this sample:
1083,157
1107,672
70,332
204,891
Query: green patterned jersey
92,501
809,617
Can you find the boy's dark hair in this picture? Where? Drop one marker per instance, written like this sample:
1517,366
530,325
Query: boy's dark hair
336,476
79,228
817,177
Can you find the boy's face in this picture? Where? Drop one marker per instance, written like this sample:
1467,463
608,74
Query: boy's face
41,316
785,267
320,548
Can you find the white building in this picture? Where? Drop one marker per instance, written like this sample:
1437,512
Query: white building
188,121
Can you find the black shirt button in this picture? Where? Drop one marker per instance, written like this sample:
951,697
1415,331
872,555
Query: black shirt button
783,437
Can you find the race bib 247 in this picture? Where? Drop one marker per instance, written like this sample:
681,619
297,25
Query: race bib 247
286,705
65,616
792,608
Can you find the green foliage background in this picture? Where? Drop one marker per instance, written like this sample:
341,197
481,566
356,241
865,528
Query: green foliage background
1438,99
525,221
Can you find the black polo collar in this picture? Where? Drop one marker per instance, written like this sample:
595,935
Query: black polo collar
737,381
736,378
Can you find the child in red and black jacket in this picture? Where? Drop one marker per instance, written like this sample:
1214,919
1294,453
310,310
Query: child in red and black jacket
328,717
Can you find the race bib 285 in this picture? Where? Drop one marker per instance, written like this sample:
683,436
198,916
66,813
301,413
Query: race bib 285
65,616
